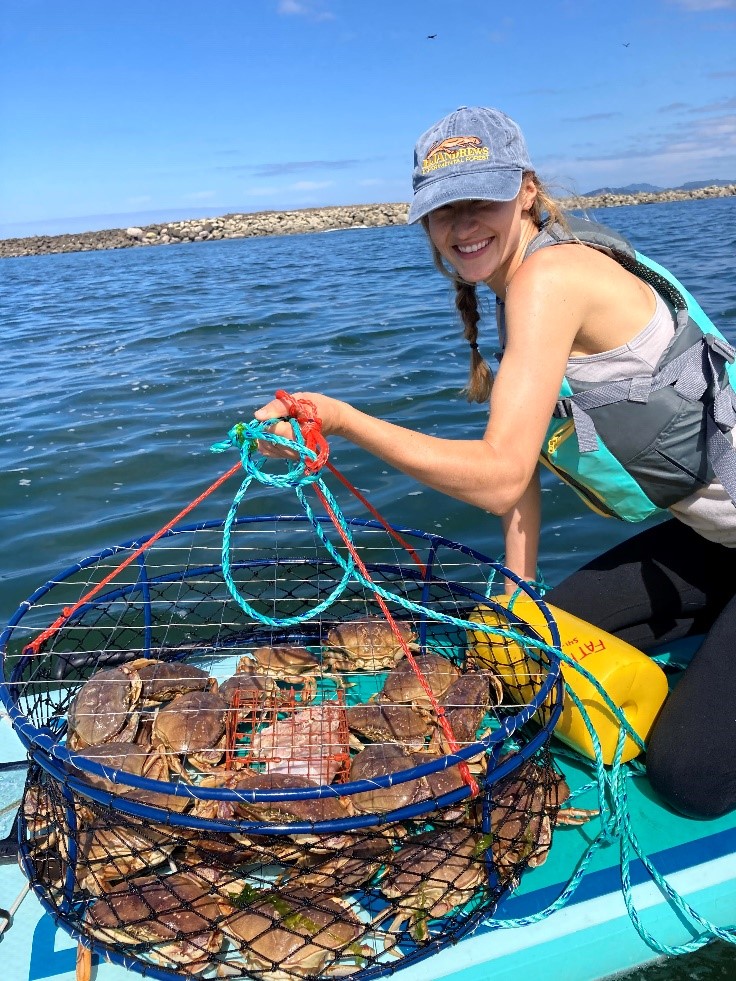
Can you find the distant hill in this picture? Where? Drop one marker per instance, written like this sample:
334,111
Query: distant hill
654,189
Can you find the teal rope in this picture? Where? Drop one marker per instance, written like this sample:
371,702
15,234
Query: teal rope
614,815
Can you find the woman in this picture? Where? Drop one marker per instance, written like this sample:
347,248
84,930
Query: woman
632,375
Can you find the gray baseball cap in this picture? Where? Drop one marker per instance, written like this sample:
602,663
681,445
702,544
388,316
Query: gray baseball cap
474,154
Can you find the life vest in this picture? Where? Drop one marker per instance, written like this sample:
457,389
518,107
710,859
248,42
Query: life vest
634,446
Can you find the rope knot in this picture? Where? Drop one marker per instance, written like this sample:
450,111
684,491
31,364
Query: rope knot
304,412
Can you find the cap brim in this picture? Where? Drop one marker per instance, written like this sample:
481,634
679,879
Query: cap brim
488,185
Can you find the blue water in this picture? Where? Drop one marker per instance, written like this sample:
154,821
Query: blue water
121,368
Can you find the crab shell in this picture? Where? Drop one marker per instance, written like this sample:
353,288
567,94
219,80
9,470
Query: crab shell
164,680
284,662
250,687
378,760
102,709
311,809
466,703
175,912
108,853
404,685
294,933
402,724
192,725
368,644
432,874
342,870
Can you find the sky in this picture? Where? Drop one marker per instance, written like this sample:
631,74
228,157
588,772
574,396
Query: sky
117,113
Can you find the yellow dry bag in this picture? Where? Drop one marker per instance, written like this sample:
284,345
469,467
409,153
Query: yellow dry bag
636,685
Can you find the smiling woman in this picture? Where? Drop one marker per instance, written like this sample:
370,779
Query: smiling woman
612,375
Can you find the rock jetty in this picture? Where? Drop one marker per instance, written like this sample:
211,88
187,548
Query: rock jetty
292,223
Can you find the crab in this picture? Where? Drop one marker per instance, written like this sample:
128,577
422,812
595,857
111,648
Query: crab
192,727
176,914
431,875
378,760
466,703
525,811
311,741
108,853
293,665
440,782
300,933
164,680
405,725
103,710
345,869
404,685
312,809
367,644
138,759
248,686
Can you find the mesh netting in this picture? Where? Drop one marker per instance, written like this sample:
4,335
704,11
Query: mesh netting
275,796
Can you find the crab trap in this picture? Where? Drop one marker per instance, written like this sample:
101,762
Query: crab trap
269,748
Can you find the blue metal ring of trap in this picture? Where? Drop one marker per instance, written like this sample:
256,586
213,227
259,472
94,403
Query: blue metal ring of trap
51,755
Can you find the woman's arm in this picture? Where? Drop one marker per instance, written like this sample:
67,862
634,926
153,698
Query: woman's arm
521,527
543,315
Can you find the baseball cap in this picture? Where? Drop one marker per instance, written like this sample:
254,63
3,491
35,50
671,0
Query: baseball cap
472,154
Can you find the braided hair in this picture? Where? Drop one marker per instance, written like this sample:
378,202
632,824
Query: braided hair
480,376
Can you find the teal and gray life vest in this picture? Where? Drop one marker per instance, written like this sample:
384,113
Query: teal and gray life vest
634,446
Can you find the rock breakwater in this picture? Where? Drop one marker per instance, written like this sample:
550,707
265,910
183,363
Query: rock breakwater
292,223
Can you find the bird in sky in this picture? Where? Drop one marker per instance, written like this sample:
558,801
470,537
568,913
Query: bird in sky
430,36
626,43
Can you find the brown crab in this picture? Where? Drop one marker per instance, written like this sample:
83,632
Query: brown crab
174,913
300,933
138,760
104,708
248,687
344,869
466,703
367,644
295,666
526,809
311,809
108,852
431,875
191,727
163,680
403,684
405,725
378,760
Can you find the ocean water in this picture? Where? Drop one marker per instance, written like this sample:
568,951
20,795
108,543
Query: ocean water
121,368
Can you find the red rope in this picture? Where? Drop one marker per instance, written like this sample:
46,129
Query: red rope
305,413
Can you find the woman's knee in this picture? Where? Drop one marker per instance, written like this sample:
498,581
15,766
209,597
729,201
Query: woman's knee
689,780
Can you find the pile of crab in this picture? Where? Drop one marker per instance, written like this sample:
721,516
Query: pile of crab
300,818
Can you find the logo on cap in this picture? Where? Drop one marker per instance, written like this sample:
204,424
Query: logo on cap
454,150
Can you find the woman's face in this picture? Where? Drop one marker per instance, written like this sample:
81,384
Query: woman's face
479,238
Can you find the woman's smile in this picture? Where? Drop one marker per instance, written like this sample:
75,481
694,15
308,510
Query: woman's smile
472,249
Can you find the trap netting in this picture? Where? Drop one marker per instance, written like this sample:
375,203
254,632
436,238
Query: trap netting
310,791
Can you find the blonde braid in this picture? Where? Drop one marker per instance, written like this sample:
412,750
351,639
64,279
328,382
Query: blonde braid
480,377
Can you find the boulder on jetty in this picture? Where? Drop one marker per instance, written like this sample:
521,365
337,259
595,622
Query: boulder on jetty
292,223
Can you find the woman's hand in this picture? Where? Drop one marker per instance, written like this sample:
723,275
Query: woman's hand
328,411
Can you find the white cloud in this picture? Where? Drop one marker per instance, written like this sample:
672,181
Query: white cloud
313,9
309,185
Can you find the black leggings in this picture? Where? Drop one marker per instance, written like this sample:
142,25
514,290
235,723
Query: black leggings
663,584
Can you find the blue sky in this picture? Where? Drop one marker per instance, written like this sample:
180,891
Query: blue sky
113,113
